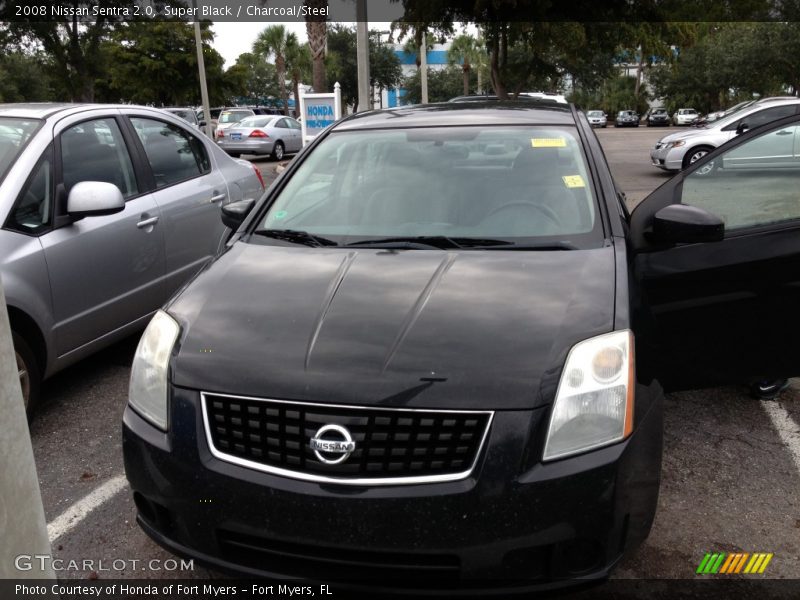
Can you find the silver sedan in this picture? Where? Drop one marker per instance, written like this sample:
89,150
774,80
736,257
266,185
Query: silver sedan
106,211
265,135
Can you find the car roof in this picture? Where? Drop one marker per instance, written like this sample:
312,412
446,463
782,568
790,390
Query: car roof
41,110
45,110
511,112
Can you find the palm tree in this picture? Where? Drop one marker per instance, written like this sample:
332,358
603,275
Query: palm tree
298,64
317,32
273,41
464,51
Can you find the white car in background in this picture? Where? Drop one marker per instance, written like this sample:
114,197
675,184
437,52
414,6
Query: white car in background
685,116
678,150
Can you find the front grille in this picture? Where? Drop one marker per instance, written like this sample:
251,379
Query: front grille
337,564
391,445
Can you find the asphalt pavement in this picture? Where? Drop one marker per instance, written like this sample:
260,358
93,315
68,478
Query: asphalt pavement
730,483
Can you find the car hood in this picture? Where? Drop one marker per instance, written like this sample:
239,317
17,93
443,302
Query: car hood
415,328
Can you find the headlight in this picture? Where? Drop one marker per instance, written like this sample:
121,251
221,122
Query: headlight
147,392
594,402
676,144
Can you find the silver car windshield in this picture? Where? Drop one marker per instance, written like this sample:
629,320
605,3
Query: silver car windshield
460,182
14,135
256,121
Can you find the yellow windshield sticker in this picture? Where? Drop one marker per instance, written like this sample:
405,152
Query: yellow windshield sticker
573,181
548,142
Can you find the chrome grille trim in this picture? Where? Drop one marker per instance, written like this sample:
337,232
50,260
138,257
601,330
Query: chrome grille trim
361,481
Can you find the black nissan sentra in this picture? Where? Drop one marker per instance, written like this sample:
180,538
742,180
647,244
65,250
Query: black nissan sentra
433,353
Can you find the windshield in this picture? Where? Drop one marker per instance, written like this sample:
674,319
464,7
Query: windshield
256,121
185,114
595,113
234,116
494,184
14,135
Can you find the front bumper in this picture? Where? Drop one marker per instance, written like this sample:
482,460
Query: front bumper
668,158
513,522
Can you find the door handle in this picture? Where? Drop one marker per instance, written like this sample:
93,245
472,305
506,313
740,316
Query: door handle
147,222
785,132
217,198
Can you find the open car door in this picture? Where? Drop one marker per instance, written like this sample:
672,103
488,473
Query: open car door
716,254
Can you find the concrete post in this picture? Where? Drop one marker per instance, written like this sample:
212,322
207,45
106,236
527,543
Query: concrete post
362,56
23,530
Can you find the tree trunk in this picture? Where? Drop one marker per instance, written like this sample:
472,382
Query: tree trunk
317,32
639,68
296,86
280,67
480,85
465,73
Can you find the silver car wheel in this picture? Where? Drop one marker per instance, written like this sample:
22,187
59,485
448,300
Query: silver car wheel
697,156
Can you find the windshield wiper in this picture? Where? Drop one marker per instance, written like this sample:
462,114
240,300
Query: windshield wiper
296,237
559,245
440,242
446,243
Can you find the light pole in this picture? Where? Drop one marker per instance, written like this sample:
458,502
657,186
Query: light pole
201,67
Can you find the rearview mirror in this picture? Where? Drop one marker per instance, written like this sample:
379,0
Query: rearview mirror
234,214
741,128
685,224
93,199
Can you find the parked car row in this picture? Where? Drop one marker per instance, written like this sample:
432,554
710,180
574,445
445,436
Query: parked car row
653,118
105,211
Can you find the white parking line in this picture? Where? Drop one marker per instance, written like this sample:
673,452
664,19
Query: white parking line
66,521
787,429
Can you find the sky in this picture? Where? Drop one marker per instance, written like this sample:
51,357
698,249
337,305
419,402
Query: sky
232,39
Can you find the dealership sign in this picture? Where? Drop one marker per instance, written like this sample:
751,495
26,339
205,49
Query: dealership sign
319,111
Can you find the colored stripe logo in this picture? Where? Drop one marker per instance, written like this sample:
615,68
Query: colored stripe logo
714,563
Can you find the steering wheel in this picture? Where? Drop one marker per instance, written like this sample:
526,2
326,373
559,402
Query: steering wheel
544,210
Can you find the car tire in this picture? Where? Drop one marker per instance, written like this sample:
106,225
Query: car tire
29,373
278,151
695,154
767,389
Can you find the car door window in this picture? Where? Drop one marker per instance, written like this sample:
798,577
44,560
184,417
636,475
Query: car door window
95,151
33,211
753,184
174,154
762,117
768,115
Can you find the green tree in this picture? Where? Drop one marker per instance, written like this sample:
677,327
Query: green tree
465,51
253,79
71,44
385,70
25,78
299,65
443,84
156,62
272,41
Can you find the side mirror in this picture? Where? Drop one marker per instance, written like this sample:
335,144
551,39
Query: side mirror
94,198
685,224
234,214
202,124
